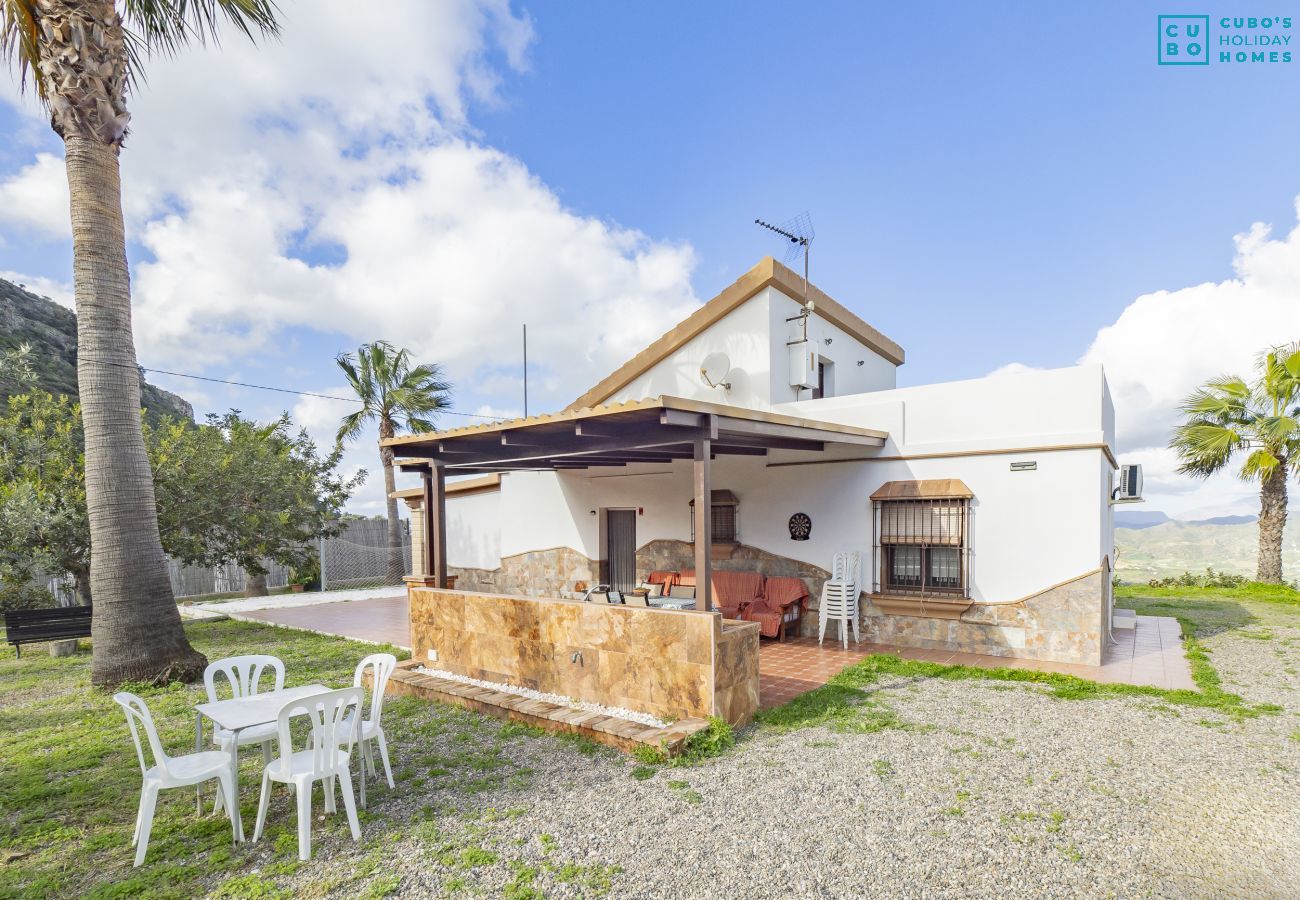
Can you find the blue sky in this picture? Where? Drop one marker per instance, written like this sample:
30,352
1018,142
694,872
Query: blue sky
990,186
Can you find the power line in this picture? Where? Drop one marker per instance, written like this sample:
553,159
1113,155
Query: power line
267,387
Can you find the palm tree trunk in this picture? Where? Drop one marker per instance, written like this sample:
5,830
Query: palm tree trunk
255,586
136,627
396,556
1272,523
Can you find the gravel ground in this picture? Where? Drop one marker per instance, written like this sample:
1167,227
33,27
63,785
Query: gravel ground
990,790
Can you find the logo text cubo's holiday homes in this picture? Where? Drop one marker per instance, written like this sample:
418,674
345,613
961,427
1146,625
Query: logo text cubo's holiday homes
1196,40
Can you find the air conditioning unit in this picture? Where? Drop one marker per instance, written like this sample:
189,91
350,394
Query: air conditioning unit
1129,489
803,365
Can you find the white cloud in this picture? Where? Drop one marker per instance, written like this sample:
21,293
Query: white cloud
49,288
36,198
332,179
1167,343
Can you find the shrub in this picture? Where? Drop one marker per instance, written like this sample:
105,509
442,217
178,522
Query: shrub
1210,579
16,595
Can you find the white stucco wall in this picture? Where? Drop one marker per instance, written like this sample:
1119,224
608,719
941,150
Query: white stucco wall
844,353
1052,406
754,337
742,334
1030,529
474,530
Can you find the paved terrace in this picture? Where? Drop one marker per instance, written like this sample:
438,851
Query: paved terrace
1150,654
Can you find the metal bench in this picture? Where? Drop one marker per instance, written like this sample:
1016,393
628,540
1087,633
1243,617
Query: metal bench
33,626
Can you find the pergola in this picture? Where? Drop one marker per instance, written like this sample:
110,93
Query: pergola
656,430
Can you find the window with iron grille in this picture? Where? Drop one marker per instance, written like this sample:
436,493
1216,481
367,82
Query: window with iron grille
725,518
922,547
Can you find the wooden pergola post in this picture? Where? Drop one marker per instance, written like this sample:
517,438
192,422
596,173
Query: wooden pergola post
703,525
434,480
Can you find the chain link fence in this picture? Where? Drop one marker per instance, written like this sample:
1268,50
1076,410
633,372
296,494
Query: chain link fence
358,556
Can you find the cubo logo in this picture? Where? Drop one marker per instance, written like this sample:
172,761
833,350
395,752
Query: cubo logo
1183,41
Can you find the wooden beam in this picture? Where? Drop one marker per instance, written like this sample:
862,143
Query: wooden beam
590,430
728,426
426,514
680,418
575,449
435,497
767,443
703,526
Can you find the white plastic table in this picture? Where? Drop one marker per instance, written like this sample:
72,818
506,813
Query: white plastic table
239,713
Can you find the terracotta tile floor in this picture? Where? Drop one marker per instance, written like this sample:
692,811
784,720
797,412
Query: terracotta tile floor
1150,654
379,619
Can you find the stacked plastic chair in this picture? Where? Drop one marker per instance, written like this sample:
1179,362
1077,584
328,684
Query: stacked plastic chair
840,597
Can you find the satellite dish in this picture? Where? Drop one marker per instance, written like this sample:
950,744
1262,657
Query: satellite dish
715,369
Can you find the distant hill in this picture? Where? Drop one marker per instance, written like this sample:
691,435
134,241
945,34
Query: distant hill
1171,548
1139,518
1125,518
51,330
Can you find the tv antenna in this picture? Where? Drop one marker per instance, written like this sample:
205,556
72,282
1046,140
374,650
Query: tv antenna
799,234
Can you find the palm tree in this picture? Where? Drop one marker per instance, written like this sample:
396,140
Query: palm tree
81,57
1262,420
397,396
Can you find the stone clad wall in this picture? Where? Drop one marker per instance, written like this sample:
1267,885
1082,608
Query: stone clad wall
1063,624
656,661
539,573
674,556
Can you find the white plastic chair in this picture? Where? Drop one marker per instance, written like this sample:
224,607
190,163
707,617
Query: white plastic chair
326,758
839,600
169,771
244,675
383,665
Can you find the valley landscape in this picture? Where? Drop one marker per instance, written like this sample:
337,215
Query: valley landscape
1170,547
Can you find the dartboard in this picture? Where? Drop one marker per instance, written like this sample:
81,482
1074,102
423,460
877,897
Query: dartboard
800,527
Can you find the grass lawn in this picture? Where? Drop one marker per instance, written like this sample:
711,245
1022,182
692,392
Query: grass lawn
70,783
1205,611
474,806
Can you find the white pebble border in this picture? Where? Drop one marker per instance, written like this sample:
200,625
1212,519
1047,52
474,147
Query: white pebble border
617,712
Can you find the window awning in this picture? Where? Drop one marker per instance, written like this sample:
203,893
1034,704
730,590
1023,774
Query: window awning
926,489
721,498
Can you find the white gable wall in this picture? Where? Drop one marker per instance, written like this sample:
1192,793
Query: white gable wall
754,337
844,353
743,335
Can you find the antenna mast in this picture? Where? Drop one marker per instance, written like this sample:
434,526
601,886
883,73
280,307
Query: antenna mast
799,232
525,370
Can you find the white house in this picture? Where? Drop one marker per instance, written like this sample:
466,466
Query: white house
982,508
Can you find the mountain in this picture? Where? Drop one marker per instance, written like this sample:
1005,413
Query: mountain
51,330
1226,520
1139,518
1171,548
1125,518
